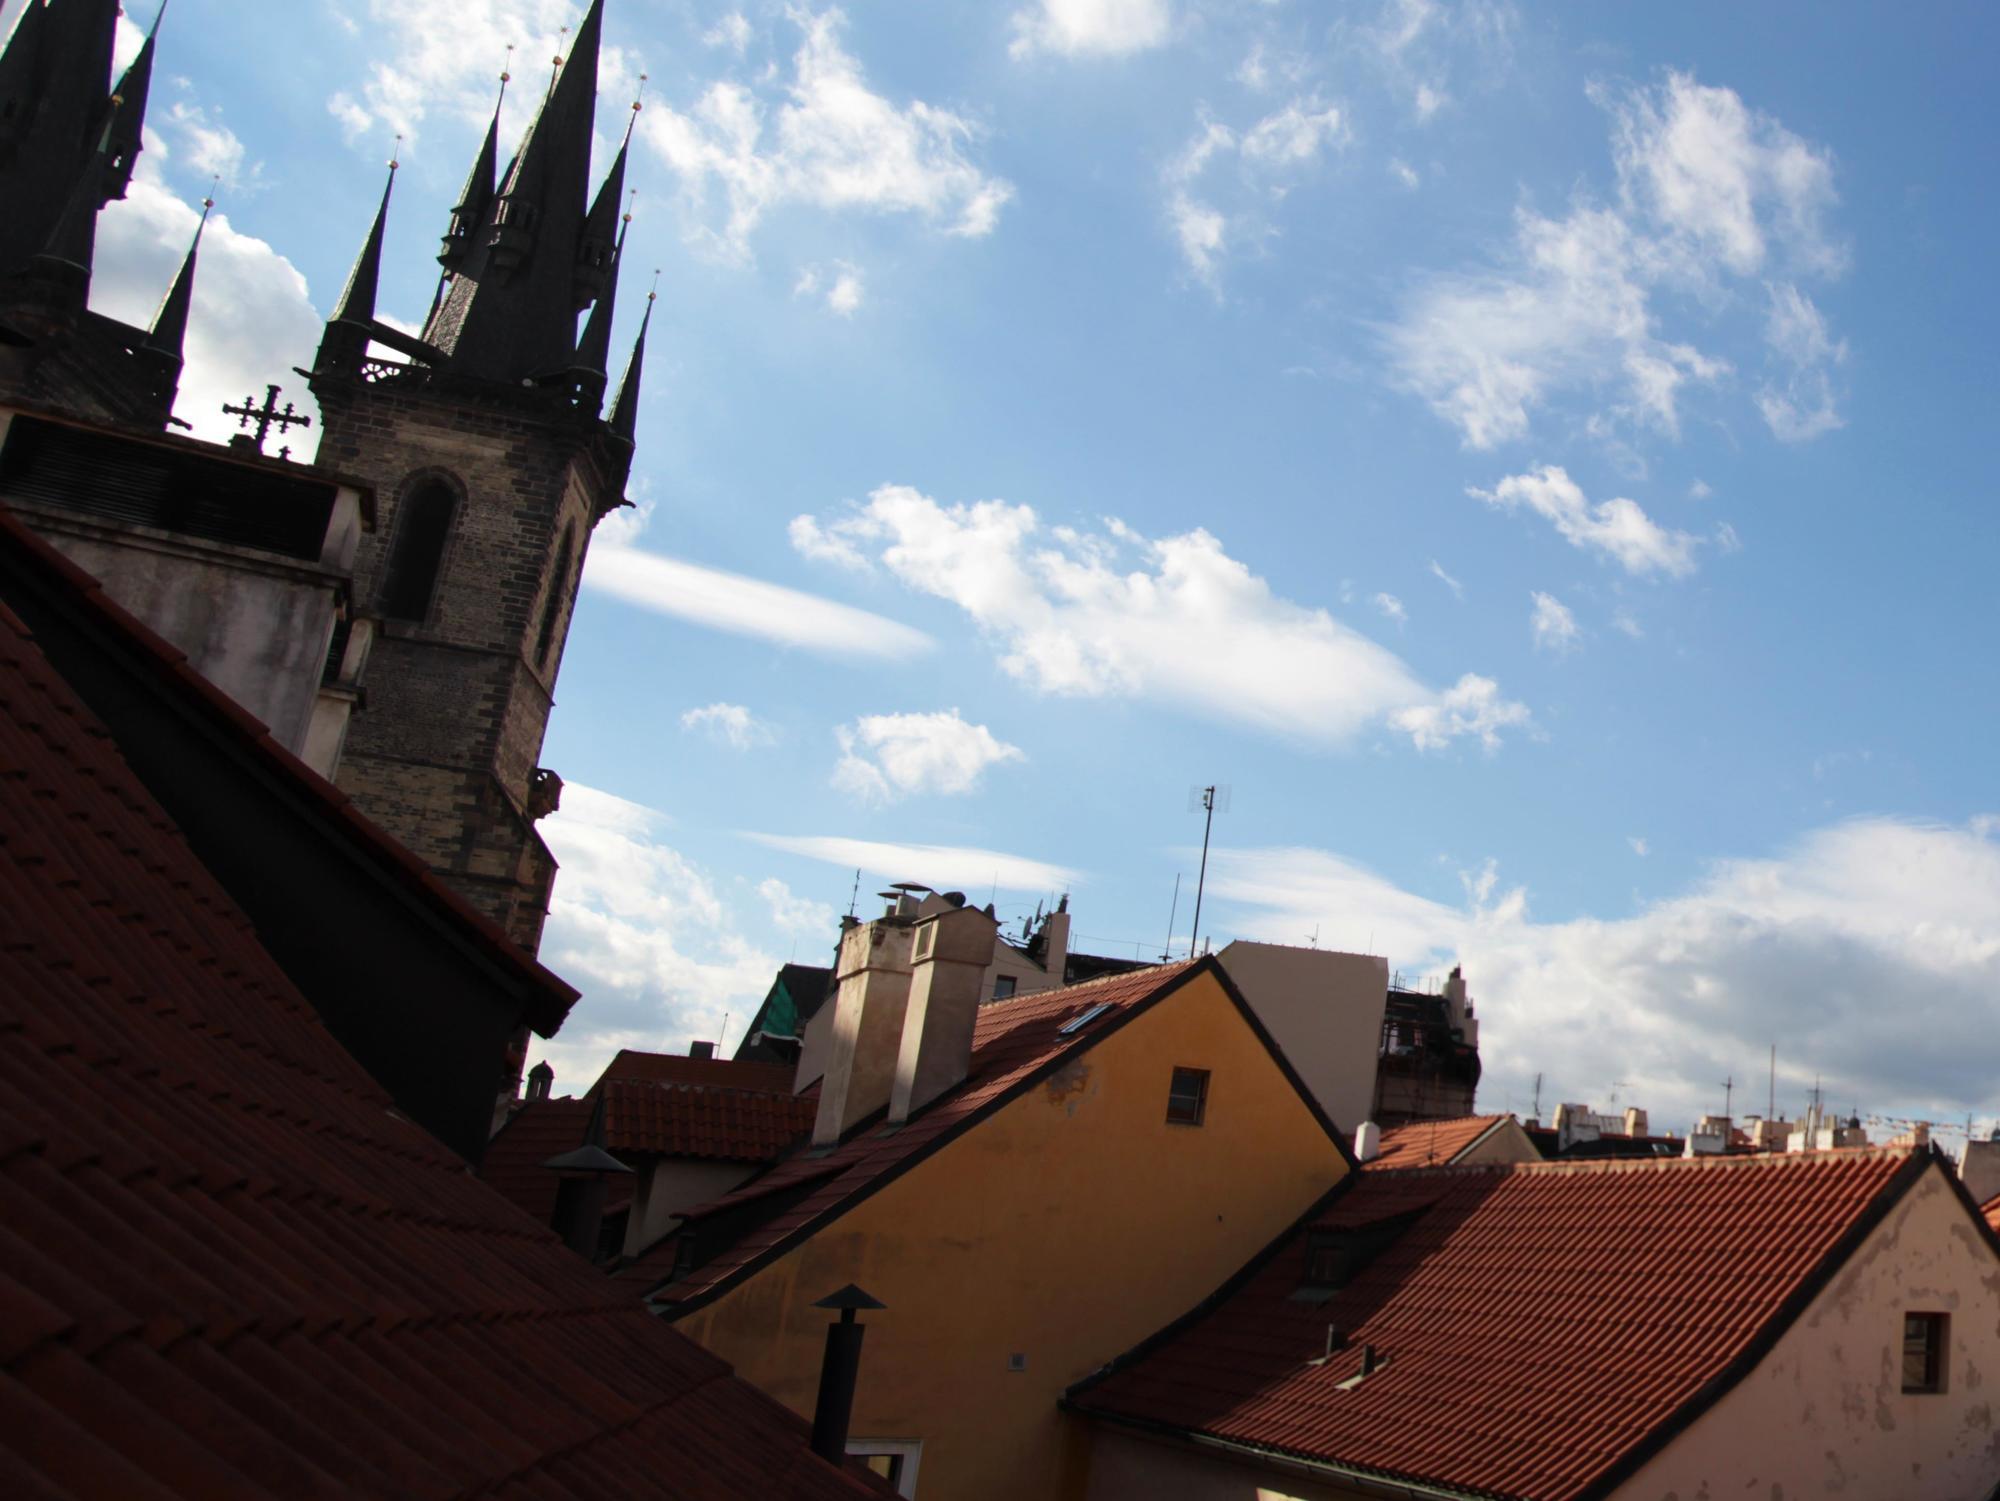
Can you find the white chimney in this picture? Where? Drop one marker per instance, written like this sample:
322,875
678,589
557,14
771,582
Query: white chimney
873,978
948,970
1367,1142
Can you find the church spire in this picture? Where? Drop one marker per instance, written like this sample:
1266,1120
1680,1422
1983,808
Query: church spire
509,314
591,367
129,131
169,332
594,249
348,331
55,101
625,409
477,195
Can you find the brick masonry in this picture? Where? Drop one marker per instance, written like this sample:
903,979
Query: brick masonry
455,706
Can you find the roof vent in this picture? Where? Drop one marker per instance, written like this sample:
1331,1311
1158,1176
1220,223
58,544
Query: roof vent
1367,1142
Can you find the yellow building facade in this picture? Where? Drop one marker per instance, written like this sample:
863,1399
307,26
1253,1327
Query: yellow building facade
1038,1243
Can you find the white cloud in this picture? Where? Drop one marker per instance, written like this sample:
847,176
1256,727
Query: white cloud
1552,624
1623,621
1870,951
1639,846
1801,405
1700,490
940,865
1457,589
842,286
1416,43
1090,28
1268,155
209,147
1617,528
1710,193
1404,173
796,914
731,724
1471,706
829,141
884,757
732,32
252,318
1176,619
746,606
1391,608
643,932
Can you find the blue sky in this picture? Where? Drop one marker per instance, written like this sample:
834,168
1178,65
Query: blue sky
1536,458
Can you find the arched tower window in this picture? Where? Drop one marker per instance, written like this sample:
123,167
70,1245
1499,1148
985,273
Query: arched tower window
411,578
545,636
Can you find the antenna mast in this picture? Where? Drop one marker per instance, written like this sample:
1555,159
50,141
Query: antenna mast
1172,913
1201,881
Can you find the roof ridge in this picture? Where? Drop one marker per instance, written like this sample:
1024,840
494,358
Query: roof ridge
989,1007
1713,1162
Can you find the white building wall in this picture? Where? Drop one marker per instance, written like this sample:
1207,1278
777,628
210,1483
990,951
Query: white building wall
1824,1413
1324,1010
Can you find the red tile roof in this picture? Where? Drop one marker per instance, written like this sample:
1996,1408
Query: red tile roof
1544,1326
535,1132
1430,1143
228,1266
692,1120
1992,1213
549,994
1012,1042
676,1068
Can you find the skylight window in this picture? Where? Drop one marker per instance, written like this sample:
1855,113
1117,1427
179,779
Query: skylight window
1078,1023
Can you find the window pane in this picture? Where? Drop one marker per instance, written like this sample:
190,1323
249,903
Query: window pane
1187,1096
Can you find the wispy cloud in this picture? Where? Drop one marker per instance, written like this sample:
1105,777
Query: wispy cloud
1552,624
941,865
825,139
1090,28
1617,529
1114,614
731,724
1711,195
1215,212
1437,571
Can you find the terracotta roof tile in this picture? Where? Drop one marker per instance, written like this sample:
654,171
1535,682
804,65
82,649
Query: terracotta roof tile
693,1120
676,1068
1430,1143
1992,1212
228,1267
1538,1321
1011,1041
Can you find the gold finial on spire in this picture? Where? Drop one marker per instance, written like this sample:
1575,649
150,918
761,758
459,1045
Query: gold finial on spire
655,291
507,68
214,182
395,155
556,62
631,197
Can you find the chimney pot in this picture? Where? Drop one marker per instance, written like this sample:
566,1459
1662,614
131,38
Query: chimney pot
701,1050
541,1079
837,1372
1367,1142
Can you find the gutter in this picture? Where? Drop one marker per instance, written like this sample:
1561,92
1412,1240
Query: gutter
1368,1482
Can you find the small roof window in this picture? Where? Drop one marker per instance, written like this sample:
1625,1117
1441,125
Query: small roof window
1078,1023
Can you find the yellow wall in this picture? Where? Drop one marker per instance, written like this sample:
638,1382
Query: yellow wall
1066,1228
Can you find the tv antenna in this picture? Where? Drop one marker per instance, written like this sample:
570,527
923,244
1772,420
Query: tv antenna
1172,912
1209,799
1538,1097
1728,1096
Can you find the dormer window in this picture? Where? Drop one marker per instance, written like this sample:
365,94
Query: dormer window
1336,1256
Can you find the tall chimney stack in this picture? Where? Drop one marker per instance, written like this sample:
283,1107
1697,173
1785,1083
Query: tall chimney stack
872,976
953,949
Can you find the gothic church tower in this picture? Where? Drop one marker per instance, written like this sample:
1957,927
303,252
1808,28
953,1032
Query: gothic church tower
493,461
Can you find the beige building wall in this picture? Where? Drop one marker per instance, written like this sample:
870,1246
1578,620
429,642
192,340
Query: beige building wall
668,1185
1824,1413
1324,1010
1506,1142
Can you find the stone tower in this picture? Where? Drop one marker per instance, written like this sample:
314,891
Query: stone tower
492,462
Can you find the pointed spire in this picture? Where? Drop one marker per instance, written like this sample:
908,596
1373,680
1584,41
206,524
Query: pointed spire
129,138
476,197
169,331
357,301
593,350
625,409
510,313
55,80
74,236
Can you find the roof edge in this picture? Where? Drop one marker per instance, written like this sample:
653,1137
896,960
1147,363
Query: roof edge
1233,1284
1368,1482
1809,1287
862,1193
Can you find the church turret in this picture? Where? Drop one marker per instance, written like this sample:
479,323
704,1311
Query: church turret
595,247
476,197
344,345
625,409
591,369
509,313
163,348
129,125
55,94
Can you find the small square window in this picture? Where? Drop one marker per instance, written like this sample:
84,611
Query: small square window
1923,1351
1003,987
1187,1097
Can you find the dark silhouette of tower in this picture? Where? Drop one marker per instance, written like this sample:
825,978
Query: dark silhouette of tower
493,461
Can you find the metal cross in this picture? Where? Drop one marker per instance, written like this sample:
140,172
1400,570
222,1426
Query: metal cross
266,417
